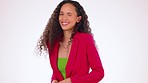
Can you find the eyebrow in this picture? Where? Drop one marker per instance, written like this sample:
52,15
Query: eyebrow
69,13
66,13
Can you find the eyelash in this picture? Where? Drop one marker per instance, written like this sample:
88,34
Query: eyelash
69,14
63,14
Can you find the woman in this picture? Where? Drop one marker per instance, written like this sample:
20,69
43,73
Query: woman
70,44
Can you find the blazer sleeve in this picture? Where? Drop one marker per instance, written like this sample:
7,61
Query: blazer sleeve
97,72
53,77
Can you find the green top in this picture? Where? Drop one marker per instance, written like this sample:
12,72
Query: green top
62,65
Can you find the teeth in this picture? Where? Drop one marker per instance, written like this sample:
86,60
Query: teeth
64,23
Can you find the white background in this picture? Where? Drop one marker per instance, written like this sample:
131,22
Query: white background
120,29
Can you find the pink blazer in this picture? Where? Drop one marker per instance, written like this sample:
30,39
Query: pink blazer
82,57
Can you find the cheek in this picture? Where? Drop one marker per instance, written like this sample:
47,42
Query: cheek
59,18
74,20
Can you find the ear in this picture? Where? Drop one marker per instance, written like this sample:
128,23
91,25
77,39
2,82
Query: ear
79,19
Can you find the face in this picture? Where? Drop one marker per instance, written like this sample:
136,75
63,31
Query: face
68,17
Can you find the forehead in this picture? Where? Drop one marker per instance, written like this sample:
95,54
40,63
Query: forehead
68,8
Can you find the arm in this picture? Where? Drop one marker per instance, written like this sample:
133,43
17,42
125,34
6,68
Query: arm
97,72
54,79
68,80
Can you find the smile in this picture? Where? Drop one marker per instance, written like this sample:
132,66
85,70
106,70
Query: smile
64,23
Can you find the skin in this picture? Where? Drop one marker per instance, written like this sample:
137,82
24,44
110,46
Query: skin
67,19
55,81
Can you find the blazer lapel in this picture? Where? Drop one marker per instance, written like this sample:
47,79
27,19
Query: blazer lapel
53,59
72,55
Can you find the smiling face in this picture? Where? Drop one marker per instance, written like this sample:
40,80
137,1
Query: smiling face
68,17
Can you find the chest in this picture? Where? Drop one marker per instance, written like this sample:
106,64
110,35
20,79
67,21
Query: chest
64,52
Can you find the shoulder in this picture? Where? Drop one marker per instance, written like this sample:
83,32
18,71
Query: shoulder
86,37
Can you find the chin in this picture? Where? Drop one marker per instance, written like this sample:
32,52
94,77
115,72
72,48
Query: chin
67,29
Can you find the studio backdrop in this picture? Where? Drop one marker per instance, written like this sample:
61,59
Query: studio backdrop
120,28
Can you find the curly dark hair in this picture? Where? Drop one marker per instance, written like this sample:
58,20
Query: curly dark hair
53,29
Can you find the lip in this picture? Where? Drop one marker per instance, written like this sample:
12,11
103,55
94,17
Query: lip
64,23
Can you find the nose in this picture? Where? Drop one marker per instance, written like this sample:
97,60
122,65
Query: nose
64,17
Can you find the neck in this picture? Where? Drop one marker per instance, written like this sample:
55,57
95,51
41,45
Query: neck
66,36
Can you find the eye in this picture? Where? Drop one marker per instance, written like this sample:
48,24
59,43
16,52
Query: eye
61,14
69,14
